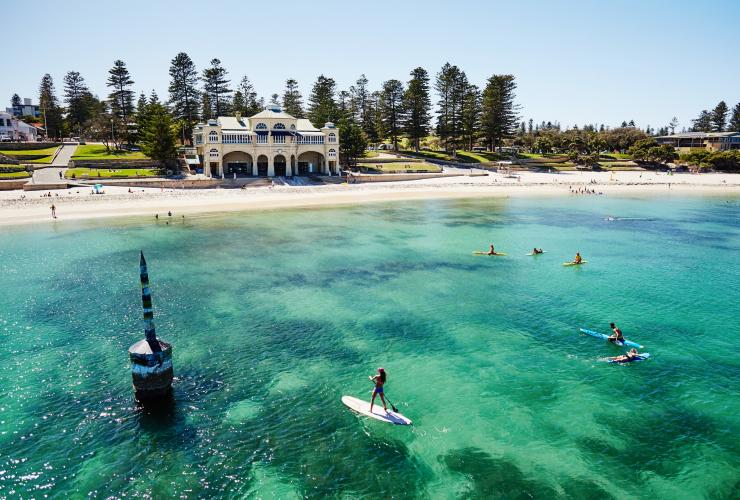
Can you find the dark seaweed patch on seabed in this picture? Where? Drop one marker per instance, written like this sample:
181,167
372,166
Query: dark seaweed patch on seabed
493,477
654,442
391,270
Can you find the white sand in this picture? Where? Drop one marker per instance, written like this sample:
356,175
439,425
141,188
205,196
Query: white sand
78,203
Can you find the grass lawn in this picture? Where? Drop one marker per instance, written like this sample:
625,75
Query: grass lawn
98,152
370,154
92,173
401,167
40,151
462,156
15,175
21,155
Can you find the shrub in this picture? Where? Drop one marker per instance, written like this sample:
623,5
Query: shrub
719,160
10,169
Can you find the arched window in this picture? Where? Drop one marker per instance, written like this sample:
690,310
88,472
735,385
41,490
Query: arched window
278,126
332,153
261,126
213,136
332,137
213,153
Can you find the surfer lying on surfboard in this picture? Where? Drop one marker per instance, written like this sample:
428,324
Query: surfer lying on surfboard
630,355
617,337
379,381
536,250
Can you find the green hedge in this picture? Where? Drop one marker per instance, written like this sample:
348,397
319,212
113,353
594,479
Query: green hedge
9,169
718,160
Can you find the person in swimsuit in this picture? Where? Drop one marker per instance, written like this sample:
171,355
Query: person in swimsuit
617,336
537,250
578,258
379,381
491,251
628,356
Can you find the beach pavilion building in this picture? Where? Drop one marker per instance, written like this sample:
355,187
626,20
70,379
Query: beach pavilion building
269,144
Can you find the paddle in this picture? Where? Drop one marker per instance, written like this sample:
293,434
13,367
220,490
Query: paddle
389,401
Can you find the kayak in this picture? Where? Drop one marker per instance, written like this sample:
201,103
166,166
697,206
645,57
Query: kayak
497,254
378,413
642,357
566,264
538,253
606,337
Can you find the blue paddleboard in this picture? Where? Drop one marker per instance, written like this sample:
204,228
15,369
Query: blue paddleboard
606,337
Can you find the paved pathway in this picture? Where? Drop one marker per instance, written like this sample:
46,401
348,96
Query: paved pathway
51,174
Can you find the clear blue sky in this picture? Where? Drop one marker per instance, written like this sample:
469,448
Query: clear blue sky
575,62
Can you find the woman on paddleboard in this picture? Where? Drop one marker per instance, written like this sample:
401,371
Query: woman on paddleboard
379,381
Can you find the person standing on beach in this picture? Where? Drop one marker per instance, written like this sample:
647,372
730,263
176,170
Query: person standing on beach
53,211
379,381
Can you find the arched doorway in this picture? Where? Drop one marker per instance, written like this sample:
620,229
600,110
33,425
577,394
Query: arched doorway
262,166
279,164
238,162
310,163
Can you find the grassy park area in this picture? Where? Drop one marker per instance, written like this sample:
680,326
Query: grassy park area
19,174
115,173
462,156
31,155
99,152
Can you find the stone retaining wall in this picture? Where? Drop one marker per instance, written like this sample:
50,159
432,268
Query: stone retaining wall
12,184
45,187
404,177
179,183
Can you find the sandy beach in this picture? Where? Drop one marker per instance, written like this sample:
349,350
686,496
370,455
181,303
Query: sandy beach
18,207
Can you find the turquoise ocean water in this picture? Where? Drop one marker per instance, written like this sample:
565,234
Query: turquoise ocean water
275,315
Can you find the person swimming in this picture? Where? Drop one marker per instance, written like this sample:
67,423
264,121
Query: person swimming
617,336
379,381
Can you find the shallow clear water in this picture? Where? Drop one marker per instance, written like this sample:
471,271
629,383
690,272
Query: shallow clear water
275,315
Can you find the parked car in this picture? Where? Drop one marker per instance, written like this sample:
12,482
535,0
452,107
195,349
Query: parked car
5,138
479,149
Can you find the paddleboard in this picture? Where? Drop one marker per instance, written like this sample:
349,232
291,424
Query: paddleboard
363,408
606,337
574,264
642,357
497,254
538,253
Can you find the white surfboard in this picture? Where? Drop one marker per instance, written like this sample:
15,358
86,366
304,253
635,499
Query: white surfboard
363,408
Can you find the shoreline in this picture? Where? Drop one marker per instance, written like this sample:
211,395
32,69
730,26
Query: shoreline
77,204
